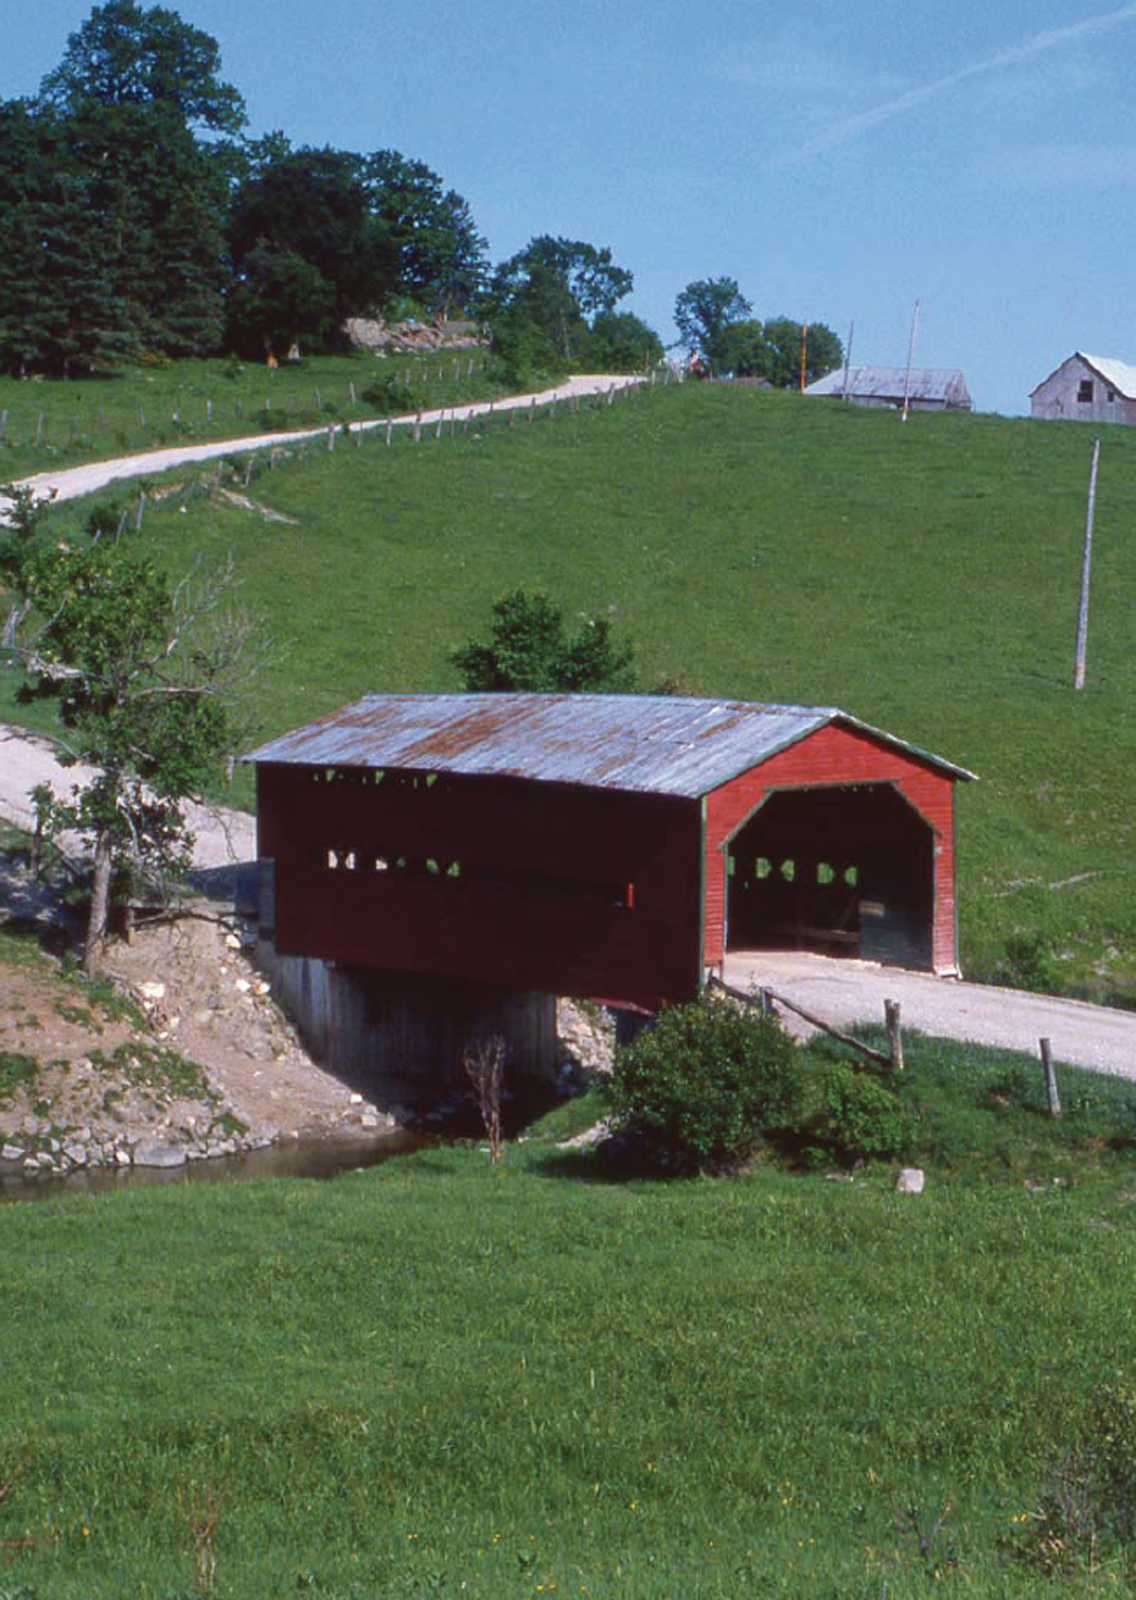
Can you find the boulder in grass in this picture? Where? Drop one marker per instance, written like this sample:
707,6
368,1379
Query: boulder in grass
910,1181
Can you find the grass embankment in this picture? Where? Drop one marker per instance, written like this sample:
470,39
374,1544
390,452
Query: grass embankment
48,425
924,577
441,1377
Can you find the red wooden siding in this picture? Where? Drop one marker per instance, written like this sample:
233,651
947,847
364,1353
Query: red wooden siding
833,756
571,891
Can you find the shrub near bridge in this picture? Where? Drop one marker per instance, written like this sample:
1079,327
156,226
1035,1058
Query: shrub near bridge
706,1084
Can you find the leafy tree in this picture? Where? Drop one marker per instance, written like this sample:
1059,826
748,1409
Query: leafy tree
621,342
124,55
312,205
283,299
441,256
143,676
823,352
528,651
744,350
704,311
114,210
556,285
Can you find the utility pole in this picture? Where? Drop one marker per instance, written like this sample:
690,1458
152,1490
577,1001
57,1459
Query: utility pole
1086,568
804,353
910,353
848,359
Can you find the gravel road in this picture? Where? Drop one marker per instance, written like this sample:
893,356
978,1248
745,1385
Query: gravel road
223,838
71,482
843,992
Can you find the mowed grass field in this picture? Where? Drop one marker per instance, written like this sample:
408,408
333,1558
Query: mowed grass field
924,577
441,1377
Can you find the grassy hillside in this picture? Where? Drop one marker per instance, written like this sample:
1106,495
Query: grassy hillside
924,577
46,425
444,1378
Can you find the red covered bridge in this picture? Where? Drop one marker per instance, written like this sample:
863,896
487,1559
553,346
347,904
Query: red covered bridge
607,846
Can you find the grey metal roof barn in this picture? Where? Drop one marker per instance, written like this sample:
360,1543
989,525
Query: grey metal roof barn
1087,388
651,744
927,388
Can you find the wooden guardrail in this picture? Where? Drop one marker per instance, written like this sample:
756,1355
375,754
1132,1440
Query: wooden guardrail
765,999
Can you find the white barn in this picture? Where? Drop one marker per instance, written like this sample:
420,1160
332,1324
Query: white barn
926,388
1087,389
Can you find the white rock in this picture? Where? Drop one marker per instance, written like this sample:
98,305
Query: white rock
910,1181
152,990
122,1157
155,1154
232,941
242,984
11,1152
356,1099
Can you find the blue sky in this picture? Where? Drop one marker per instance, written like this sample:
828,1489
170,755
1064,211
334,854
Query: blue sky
838,160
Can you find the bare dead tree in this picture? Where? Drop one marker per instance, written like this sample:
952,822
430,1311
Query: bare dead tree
485,1066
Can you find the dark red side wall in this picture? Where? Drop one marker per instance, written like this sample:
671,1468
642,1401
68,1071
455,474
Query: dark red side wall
835,755
541,899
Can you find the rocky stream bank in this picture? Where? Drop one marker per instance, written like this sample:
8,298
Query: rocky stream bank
180,1052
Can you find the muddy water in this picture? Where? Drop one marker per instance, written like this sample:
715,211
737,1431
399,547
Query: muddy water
294,1158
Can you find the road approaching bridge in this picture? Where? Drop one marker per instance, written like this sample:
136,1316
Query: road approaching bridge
843,992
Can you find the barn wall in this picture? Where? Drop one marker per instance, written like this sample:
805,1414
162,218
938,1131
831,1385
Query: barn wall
833,756
537,886
1056,398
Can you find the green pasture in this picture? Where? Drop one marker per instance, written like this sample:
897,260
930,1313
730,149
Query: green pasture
439,1377
45,425
924,577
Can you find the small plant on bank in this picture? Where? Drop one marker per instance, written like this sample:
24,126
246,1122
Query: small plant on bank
485,1067
854,1116
705,1085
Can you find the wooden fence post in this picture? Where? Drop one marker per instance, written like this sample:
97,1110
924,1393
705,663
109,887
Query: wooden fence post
390,427
1052,1094
895,1037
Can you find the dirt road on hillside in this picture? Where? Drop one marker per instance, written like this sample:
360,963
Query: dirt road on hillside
223,837
71,483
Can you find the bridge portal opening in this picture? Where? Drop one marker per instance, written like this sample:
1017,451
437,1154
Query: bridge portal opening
845,870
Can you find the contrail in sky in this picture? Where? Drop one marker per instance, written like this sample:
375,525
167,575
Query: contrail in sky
1049,39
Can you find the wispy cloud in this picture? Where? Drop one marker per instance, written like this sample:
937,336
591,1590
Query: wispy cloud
843,132
1062,166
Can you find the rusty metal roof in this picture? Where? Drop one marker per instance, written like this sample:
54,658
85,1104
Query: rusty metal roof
651,744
